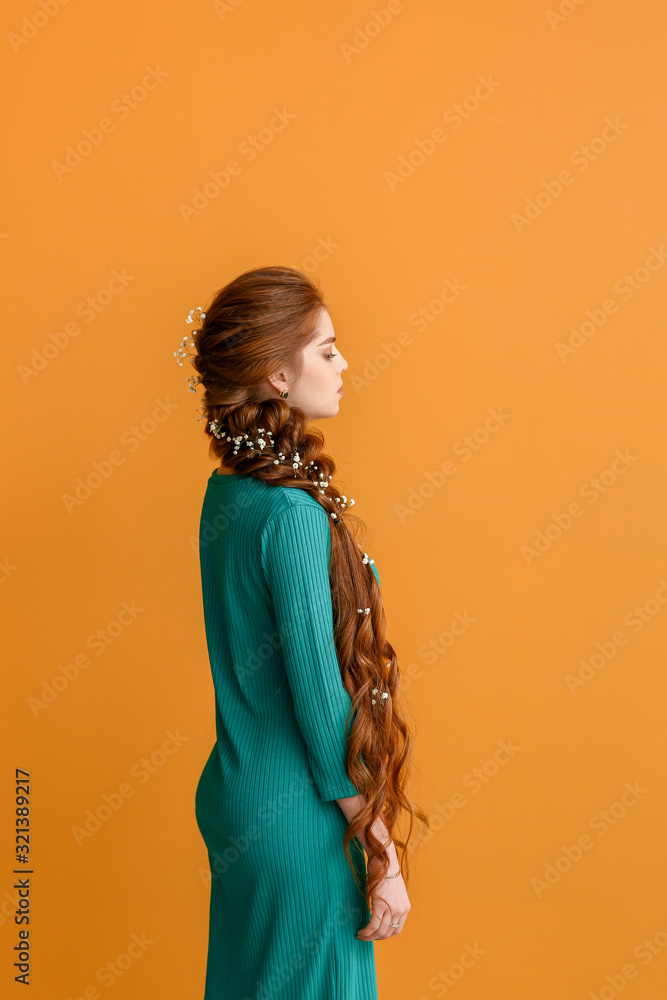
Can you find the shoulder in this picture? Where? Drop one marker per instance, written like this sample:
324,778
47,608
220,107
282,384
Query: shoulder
295,521
291,504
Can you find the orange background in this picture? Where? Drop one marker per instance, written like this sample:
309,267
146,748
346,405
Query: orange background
539,195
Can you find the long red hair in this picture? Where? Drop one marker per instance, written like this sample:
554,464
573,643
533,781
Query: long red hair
256,324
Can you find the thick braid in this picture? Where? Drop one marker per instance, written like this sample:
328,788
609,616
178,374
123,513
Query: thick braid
253,325
246,430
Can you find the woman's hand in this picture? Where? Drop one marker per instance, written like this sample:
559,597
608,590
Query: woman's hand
389,902
390,905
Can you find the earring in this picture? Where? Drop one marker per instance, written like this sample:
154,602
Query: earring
284,394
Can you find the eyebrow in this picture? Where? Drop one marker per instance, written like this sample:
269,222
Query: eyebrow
331,340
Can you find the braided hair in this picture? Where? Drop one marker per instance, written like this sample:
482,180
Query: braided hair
254,325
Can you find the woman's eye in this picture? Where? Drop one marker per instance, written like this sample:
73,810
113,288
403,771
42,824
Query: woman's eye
331,356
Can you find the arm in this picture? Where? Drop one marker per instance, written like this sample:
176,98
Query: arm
389,910
352,805
295,552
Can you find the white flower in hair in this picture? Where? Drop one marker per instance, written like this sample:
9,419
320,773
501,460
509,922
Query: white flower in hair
184,349
385,694
201,315
260,446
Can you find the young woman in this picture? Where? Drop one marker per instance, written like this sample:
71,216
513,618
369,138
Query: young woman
312,746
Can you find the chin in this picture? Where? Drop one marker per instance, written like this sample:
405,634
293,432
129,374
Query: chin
323,415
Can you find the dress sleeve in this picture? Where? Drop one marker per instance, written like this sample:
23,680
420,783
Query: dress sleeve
295,551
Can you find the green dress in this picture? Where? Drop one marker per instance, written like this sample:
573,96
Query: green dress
284,907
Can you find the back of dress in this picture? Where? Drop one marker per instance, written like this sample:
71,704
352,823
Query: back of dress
284,906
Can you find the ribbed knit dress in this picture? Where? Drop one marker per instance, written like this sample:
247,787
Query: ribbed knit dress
284,907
